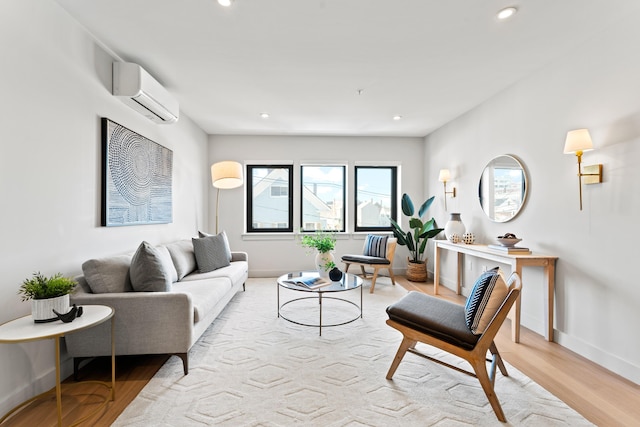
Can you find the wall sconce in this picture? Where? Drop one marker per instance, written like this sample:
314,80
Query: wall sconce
578,141
443,177
225,175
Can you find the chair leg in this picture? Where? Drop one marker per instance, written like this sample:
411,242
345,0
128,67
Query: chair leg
393,279
364,273
496,354
402,350
373,280
346,266
480,368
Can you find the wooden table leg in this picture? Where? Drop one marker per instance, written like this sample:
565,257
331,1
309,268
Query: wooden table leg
515,310
460,264
549,291
436,270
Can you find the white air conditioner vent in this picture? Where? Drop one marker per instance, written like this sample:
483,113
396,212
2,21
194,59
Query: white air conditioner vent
139,90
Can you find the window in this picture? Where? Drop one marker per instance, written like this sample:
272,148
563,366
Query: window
323,198
269,201
375,197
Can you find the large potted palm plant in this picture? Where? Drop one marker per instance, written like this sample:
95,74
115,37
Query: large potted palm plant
416,238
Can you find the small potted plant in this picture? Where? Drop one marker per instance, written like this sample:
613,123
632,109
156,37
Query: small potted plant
324,243
47,294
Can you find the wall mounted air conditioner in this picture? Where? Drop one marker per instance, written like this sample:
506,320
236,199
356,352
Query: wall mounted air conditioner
138,89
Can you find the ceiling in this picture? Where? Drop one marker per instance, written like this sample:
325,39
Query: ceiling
339,67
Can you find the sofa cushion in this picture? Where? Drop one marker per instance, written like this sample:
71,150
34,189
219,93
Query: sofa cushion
235,272
149,270
205,294
111,274
485,299
183,256
211,253
223,233
376,246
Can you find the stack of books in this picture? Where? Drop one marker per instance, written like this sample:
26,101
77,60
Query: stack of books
510,249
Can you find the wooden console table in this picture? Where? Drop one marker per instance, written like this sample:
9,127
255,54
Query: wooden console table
516,261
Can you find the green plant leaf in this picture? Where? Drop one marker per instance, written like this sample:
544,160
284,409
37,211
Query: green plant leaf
425,206
407,205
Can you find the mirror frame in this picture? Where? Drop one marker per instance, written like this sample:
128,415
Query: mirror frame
525,179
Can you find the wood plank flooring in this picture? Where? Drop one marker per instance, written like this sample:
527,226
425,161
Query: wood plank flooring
600,396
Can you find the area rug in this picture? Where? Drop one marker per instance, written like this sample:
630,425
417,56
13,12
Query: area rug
252,368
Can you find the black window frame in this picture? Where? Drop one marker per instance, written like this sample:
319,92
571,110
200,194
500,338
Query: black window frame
394,199
249,175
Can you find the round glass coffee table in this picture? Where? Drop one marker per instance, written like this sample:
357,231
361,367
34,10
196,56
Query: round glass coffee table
329,292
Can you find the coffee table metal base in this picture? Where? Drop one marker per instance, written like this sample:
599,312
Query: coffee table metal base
349,282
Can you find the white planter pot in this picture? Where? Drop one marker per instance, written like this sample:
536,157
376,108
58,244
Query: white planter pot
322,258
42,309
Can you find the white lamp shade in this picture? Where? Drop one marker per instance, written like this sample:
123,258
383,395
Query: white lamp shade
444,175
578,140
226,174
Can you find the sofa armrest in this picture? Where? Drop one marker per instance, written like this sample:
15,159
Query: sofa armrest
145,323
239,256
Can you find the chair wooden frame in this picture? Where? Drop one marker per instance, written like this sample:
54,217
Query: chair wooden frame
476,357
392,242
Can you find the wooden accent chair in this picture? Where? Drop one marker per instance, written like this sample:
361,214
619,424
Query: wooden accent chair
443,324
374,256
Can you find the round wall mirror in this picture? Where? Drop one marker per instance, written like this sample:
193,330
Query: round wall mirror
503,188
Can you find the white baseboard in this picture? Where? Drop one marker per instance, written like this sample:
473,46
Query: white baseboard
606,360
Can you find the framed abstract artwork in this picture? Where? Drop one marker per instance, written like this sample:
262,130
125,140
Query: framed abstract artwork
136,178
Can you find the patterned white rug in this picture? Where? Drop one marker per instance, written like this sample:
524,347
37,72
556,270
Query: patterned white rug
252,368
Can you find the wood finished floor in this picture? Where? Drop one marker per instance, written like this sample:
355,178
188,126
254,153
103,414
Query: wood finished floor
600,396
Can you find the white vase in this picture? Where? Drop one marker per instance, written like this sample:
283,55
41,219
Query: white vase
454,228
42,309
322,258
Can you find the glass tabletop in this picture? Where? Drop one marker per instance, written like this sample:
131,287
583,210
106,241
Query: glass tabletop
348,282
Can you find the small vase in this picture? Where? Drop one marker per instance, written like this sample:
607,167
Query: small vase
454,228
42,309
335,274
322,258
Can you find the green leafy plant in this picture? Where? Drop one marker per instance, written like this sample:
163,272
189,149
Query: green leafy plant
330,265
42,287
320,240
420,232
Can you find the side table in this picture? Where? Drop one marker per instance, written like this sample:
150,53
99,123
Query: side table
24,329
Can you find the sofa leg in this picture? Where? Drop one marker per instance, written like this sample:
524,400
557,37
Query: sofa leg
76,365
185,361
243,288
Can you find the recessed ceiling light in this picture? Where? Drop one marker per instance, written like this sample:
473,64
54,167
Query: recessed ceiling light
225,3
397,117
264,115
507,12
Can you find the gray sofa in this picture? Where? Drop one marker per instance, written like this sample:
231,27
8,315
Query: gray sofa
168,321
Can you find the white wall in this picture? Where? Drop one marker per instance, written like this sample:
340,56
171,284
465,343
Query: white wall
272,255
55,84
596,86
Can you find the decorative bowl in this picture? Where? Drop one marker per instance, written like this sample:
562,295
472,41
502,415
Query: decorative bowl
508,241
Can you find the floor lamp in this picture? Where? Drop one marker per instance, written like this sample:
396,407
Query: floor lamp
225,175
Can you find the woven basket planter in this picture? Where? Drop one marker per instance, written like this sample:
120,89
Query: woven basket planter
417,271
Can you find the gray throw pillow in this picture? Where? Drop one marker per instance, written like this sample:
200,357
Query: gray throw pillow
167,263
183,257
210,253
147,270
106,275
227,247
